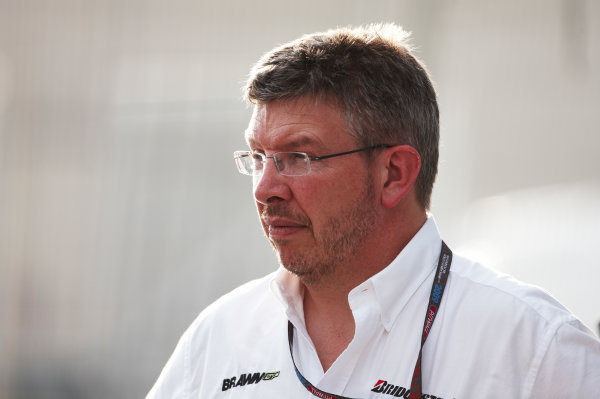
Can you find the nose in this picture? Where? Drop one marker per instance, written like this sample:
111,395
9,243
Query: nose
271,186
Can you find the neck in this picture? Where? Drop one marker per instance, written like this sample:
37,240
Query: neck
329,323
328,317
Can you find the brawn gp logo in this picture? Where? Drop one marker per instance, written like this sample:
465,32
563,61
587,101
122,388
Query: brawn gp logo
248,378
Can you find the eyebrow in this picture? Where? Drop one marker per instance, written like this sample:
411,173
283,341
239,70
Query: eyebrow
296,142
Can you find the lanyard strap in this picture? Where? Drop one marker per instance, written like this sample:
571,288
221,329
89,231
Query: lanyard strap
435,299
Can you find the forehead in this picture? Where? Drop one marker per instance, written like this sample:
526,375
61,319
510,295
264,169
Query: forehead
303,122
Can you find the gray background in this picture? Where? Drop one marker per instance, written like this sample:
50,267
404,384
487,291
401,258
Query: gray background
122,215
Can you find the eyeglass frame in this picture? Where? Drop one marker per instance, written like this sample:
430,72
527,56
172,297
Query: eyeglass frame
277,160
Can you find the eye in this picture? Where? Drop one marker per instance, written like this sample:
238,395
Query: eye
255,148
295,159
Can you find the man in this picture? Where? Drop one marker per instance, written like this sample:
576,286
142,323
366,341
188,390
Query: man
368,303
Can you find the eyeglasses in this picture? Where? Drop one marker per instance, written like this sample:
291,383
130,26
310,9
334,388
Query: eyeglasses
287,163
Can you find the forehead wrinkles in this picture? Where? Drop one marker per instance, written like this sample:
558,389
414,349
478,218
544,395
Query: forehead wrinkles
290,124
283,136
296,123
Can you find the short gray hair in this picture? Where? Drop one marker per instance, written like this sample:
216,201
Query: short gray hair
384,91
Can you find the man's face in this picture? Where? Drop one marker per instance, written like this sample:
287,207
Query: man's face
318,221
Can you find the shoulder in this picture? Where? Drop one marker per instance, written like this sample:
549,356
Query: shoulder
519,328
230,329
249,300
495,309
496,291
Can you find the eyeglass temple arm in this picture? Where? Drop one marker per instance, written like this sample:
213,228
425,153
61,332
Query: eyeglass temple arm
350,152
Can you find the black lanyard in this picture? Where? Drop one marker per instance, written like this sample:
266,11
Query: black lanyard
435,299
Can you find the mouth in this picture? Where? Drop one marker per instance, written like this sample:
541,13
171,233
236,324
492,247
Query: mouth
278,228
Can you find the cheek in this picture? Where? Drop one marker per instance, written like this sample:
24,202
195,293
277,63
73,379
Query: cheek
322,199
338,189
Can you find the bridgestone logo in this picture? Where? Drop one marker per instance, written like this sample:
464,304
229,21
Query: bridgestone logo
397,391
393,390
248,378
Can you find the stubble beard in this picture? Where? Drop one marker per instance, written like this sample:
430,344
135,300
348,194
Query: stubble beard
342,238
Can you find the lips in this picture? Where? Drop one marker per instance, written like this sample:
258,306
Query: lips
281,228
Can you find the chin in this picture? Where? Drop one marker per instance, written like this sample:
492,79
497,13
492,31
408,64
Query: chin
296,265
307,277
309,271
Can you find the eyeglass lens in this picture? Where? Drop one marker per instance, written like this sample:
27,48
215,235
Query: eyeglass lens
287,163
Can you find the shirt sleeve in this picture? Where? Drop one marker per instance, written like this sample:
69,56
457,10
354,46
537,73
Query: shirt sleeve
173,380
571,365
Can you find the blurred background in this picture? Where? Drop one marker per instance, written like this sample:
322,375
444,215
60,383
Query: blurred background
122,215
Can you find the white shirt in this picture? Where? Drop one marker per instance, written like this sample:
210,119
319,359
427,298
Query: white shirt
493,337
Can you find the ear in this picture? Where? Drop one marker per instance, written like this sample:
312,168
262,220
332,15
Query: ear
402,164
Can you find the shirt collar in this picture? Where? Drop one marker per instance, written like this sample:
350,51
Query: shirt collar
393,286
288,289
397,283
